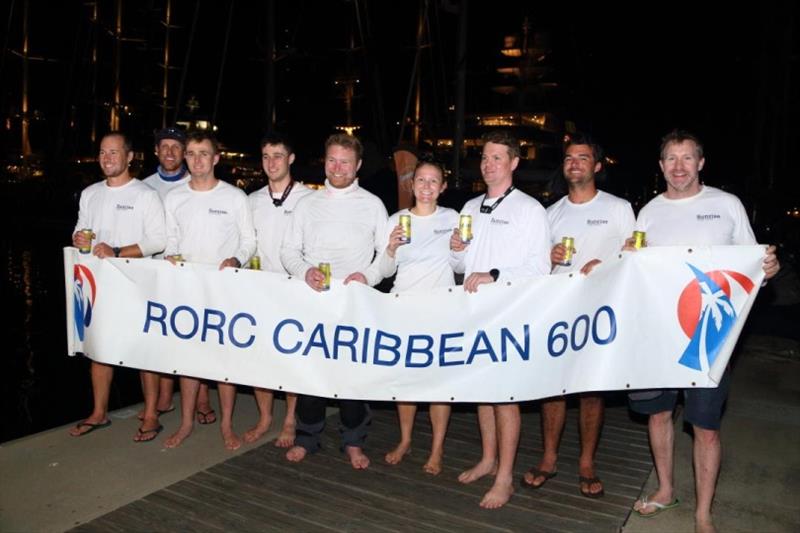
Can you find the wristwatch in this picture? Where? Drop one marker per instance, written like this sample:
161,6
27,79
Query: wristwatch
494,273
116,251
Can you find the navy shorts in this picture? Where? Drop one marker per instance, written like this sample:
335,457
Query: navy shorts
702,407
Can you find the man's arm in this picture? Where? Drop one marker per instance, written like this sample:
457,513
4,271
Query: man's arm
372,274
536,260
154,238
247,235
173,230
292,256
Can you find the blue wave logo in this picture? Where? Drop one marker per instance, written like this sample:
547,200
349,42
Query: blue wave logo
83,296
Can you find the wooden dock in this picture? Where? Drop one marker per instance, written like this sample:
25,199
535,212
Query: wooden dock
261,491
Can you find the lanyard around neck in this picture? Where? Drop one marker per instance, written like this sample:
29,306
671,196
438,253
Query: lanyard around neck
490,208
277,202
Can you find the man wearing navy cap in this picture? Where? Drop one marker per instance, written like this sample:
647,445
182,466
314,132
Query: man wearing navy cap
171,171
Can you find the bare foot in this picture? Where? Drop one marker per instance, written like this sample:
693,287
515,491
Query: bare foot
434,464
358,460
286,437
497,496
257,431
178,437
478,471
395,456
296,454
231,440
705,525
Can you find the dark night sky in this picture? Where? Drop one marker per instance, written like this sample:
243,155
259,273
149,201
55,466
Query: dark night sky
625,75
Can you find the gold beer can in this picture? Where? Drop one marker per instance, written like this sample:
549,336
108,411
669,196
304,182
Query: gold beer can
255,263
405,223
325,268
638,239
89,234
178,258
569,244
465,228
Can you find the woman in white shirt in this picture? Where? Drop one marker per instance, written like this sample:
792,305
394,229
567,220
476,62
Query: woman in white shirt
422,264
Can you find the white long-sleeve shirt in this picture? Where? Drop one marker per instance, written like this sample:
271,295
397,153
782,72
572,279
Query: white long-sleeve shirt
514,238
271,223
125,215
710,217
162,186
343,227
599,227
425,262
209,226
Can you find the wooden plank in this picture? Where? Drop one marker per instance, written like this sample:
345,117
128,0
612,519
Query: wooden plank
260,490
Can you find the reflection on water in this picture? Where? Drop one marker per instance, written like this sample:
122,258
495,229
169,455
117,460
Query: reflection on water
41,386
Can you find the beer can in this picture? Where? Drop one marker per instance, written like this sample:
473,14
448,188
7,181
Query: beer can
326,269
178,258
255,263
405,223
569,244
638,239
465,228
89,234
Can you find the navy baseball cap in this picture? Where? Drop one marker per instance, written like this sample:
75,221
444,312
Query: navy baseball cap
171,132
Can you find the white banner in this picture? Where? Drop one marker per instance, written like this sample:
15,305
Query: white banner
656,318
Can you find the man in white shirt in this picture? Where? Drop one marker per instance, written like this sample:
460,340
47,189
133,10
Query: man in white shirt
171,173
511,241
342,225
690,213
272,208
208,221
127,219
599,223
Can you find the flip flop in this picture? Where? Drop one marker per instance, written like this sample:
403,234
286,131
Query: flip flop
91,427
589,482
660,507
535,472
203,417
152,432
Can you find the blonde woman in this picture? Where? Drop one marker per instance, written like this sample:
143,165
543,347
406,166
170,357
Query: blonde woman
423,263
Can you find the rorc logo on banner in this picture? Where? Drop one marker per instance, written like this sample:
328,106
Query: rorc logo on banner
83,294
706,313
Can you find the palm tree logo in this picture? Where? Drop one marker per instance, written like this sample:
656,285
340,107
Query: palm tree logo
707,315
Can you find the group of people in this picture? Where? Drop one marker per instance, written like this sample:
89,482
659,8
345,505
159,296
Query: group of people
192,214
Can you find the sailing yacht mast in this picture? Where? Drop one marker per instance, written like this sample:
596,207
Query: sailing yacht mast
26,141
114,122
167,22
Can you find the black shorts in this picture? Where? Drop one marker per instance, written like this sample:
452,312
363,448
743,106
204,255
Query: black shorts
702,406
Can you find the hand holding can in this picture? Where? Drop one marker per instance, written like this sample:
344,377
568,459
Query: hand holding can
569,249
325,268
639,239
465,228
405,223
87,236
